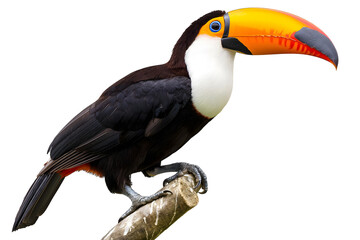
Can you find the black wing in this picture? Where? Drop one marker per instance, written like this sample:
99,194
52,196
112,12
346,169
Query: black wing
122,117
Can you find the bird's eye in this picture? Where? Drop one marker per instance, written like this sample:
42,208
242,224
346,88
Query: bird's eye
215,26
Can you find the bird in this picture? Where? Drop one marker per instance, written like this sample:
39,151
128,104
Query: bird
150,113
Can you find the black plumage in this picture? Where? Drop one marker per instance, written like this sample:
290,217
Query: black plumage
37,199
135,124
111,127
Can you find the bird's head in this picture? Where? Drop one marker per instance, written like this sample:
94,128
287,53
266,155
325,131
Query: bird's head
207,48
259,31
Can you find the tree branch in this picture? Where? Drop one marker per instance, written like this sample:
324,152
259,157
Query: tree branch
149,221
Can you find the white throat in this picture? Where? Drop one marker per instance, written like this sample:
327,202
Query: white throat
210,68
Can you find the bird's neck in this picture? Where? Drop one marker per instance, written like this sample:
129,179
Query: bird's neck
210,68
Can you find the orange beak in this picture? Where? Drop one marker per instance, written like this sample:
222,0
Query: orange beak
260,31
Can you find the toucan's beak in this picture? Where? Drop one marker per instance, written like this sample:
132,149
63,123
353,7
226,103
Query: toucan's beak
259,31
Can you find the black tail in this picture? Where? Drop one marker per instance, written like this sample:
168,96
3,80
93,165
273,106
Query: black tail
37,199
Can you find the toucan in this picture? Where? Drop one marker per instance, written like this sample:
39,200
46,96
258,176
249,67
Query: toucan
151,113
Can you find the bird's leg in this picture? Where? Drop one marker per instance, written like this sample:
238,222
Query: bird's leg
181,169
138,201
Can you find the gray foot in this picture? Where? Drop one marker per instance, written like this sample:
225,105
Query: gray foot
181,169
139,201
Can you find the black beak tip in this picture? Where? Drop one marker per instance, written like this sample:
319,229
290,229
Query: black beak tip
335,61
318,41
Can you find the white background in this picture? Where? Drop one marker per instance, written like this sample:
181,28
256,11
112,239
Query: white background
283,158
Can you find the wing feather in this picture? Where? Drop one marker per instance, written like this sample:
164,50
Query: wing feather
140,110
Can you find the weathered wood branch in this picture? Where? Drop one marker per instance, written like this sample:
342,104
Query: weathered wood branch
149,221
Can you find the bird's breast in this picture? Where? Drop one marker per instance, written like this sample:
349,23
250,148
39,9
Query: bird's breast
210,68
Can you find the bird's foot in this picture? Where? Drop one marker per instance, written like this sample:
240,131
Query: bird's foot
196,171
139,201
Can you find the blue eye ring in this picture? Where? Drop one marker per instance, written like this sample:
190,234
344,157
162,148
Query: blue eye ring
215,26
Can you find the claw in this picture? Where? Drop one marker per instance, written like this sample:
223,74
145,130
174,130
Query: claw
173,177
204,181
181,169
139,201
196,171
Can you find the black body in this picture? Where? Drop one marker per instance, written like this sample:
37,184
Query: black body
135,124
